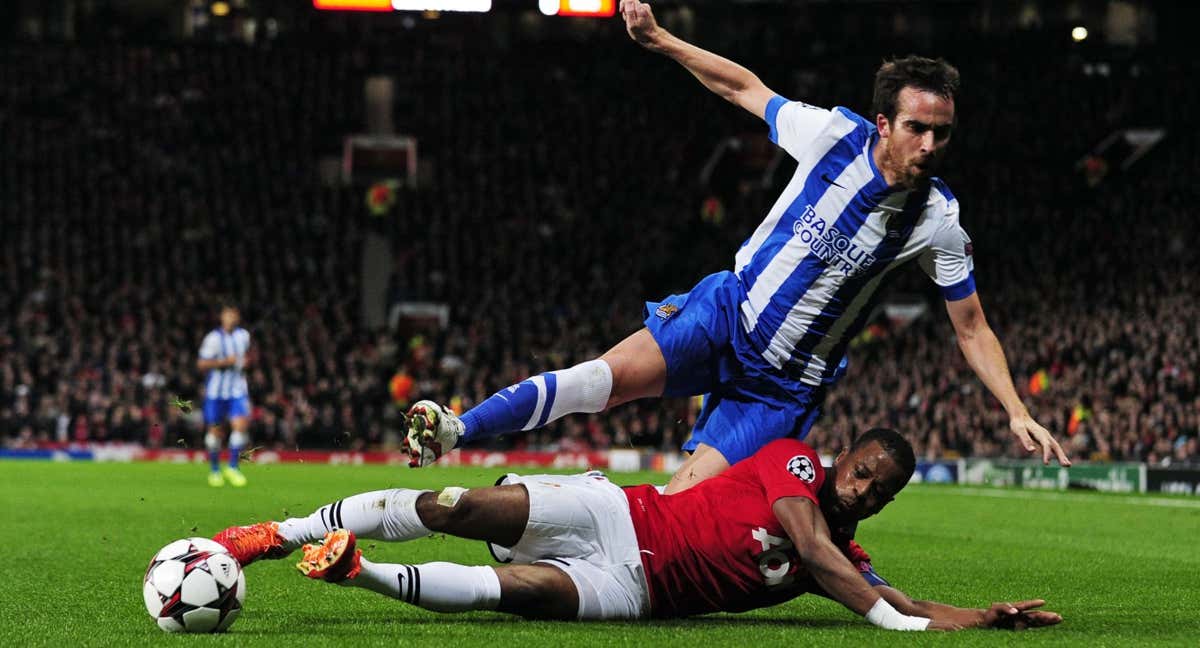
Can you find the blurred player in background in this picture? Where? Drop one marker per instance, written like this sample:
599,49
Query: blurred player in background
226,398
584,548
766,340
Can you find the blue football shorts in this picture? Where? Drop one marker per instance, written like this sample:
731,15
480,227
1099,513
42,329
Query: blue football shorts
748,403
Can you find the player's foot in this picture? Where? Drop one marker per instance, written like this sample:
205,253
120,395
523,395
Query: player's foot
215,480
249,543
334,559
432,430
234,476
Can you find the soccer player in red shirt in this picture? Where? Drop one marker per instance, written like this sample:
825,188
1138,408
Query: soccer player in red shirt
770,528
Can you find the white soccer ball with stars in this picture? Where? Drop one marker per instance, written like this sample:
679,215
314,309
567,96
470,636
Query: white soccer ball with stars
194,585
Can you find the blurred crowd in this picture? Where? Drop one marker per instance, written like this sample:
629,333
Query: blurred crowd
143,184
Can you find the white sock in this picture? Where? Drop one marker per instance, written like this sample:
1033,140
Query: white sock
582,388
378,515
438,586
212,442
238,440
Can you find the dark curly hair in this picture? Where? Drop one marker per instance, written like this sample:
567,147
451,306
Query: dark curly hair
893,443
932,75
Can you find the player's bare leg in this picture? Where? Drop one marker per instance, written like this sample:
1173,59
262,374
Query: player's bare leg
634,368
238,440
638,367
704,463
214,438
537,592
497,514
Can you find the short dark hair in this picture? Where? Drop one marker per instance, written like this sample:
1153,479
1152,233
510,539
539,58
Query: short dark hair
932,75
893,443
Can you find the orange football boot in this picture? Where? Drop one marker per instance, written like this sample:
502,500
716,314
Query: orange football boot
334,559
249,543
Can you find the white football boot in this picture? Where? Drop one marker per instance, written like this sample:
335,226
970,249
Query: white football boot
432,431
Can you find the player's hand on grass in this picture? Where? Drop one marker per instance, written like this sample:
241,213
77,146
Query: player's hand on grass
1019,616
1032,435
639,22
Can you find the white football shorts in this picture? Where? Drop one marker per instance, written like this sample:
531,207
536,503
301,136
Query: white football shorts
581,525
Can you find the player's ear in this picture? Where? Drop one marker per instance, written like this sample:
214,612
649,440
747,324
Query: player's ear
882,125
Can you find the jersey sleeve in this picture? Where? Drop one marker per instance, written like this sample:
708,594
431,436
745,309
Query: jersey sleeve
794,124
949,261
789,468
210,348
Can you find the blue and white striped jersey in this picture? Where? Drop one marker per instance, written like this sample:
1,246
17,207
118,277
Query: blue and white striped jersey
810,272
225,383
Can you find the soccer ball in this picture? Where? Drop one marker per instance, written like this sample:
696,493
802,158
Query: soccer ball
194,585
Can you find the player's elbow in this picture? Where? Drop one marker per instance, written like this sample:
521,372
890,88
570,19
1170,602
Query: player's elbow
731,94
749,93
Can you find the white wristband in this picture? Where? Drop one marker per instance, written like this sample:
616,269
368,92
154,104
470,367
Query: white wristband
887,617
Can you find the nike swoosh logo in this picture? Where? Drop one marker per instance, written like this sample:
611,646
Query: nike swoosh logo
826,178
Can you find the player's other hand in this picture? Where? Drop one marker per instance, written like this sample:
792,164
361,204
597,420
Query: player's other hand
1019,616
1032,435
639,22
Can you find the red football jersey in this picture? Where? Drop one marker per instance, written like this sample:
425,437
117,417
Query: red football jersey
717,546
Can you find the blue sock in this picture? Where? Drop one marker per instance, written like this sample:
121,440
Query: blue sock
214,458
234,453
524,406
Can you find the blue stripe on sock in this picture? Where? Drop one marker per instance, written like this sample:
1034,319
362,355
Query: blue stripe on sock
551,390
508,410
233,456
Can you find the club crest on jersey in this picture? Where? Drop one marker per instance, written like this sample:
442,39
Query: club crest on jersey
666,310
803,469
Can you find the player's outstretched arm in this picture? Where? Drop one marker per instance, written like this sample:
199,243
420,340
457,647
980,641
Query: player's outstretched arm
985,355
731,81
806,527
1008,616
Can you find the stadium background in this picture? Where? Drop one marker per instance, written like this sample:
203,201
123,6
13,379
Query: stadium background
160,156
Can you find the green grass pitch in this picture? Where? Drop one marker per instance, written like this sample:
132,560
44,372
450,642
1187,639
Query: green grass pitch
76,538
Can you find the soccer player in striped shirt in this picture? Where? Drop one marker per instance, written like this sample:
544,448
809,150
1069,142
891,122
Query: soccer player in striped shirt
223,356
767,339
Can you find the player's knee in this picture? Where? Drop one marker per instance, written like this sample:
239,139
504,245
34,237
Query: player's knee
624,384
636,373
442,509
